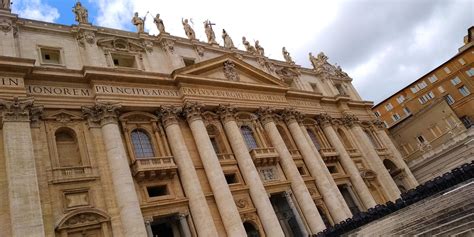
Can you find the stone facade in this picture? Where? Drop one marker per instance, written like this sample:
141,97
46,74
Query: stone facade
114,133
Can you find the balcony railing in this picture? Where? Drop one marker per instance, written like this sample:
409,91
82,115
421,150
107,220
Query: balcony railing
381,151
295,153
325,151
353,152
154,167
225,156
77,173
264,156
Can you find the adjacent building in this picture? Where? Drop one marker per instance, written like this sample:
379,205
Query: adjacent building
113,133
432,119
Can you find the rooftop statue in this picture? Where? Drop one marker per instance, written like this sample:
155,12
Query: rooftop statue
211,37
81,13
159,24
247,45
5,4
227,40
318,61
259,48
287,56
188,30
139,23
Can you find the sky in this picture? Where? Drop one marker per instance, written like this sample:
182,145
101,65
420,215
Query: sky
382,44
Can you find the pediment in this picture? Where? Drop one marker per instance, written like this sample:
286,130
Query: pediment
231,69
62,115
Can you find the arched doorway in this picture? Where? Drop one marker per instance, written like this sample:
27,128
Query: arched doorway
395,173
251,230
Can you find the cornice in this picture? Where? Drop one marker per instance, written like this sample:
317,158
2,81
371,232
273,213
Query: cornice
16,65
125,75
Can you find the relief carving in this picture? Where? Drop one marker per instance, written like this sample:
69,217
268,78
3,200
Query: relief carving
18,109
192,111
230,72
120,44
168,46
226,112
242,203
102,112
168,115
266,115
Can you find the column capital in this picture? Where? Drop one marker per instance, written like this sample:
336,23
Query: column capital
290,115
102,112
378,124
169,115
19,109
266,115
226,112
192,111
324,119
350,120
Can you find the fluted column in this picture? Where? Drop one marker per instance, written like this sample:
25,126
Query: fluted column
368,151
346,161
187,173
26,216
398,158
300,190
317,168
250,174
224,199
124,187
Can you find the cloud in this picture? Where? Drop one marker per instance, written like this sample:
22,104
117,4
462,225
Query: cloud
35,9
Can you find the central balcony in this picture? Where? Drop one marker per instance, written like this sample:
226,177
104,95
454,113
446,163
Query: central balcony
70,174
154,167
264,156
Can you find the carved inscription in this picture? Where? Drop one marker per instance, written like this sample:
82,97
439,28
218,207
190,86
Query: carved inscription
11,82
120,90
232,94
58,91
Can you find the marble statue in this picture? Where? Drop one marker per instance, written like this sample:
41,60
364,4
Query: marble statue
159,24
286,56
5,4
211,37
188,30
247,45
259,48
139,23
81,13
228,43
313,60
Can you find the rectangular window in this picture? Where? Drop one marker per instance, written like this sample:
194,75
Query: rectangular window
400,99
441,89
431,95
421,139
332,169
124,60
386,124
388,106
50,56
395,117
455,81
447,70
467,121
433,78
407,111
461,61
157,191
464,91
414,89
422,85
449,99
231,178
422,100
470,72
377,113
301,171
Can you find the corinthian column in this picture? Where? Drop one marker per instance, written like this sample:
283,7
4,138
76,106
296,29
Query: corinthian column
346,161
124,187
187,173
224,199
368,151
398,159
258,193
26,216
300,190
317,168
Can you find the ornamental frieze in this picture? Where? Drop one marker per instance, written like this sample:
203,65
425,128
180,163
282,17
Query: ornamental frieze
232,94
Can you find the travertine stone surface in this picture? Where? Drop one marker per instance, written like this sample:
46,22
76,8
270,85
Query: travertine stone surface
298,186
25,208
350,168
252,178
197,202
127,200
220,188
325,183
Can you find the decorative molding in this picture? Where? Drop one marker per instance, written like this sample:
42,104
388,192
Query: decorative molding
266,115
192,111
120,44
104,113
168,46
242,203
226,113
199,50
290,115
6,26
350,120
85,36
230,72
19,110
169,115
324,119
378,124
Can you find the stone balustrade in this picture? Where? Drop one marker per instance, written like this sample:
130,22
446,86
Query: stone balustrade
154,167
76,173
295,153
264,156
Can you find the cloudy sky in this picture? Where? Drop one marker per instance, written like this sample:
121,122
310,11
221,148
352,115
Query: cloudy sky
383,44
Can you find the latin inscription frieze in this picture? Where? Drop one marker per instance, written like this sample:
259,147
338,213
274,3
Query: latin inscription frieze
232,94
136,91
11,82
58,91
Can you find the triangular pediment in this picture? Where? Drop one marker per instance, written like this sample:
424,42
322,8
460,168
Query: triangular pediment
231,69
62,115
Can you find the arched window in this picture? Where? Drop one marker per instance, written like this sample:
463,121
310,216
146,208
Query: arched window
247,133
314,139
67,147
345,140
141,144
